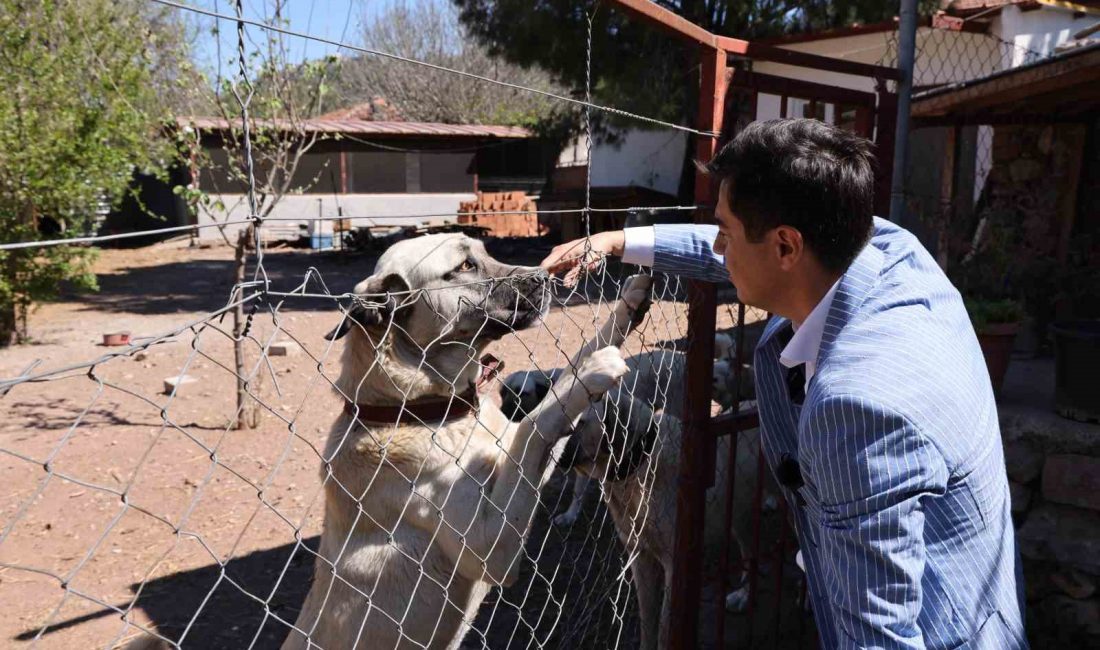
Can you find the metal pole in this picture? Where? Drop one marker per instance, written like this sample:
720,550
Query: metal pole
907,47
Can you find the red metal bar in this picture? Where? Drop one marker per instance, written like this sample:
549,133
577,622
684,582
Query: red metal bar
886,115
670,22
727,534
729,423
697,449
865,120
780,560
762,52
754,559
683,28
731,480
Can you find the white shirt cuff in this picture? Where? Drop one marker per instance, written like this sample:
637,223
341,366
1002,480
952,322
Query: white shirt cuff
638,246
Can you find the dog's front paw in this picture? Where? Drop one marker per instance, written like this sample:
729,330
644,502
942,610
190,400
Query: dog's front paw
602,371
566,518
636,290
738,601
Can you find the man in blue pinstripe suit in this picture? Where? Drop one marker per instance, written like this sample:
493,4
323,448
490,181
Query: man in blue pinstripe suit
876,409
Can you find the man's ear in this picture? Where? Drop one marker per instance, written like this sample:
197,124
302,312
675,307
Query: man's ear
789,246
378,293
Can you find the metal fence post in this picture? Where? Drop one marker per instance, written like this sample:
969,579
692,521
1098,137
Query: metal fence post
698,445
907,45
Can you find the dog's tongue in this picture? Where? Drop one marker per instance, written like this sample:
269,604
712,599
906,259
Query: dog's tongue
490,368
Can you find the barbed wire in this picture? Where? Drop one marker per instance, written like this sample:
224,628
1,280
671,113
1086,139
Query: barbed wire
95,239
462,73
577,584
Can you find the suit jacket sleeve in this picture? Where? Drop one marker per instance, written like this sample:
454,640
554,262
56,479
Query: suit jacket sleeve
686,250
871,468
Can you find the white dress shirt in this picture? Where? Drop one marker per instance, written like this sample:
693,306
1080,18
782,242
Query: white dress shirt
803,347
806,342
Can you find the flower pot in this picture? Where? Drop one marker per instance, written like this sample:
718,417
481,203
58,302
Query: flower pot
997,341
1077,369
116,338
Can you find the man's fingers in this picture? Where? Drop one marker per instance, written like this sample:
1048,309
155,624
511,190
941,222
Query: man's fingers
564,256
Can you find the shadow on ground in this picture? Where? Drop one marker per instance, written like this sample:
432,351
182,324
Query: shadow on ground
229,618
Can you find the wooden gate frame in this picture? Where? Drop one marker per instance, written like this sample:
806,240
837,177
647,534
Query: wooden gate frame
697,463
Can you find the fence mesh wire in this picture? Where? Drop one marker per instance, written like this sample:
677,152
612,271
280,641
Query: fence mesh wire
196,533
945,57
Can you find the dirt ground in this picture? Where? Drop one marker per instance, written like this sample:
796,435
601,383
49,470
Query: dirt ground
118,501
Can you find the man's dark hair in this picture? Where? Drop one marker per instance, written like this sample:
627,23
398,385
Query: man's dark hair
804,174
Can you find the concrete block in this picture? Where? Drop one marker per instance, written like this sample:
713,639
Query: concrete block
283,349
177,382
1073,480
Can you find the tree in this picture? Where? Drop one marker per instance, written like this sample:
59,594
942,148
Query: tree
429,31
636,66
280,96
79,113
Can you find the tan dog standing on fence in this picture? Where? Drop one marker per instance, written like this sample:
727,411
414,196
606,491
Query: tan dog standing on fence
424,516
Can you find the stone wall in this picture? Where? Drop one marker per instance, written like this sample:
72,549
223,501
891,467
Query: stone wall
1054,474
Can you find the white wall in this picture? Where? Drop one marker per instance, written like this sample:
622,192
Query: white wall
939,53
1039,30
641,157
362,209
652,158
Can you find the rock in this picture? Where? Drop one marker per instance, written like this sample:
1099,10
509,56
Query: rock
1074,583
283,349
1073,480
1023,460
176,382
1067,535
1021,497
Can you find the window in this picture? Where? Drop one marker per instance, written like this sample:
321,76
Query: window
376,172
447,172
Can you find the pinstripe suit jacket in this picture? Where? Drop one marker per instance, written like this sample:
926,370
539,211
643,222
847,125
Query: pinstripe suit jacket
906,527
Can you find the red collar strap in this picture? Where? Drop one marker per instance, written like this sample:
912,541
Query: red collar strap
436,409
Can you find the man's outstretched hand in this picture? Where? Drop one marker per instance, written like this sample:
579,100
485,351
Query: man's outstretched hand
583,255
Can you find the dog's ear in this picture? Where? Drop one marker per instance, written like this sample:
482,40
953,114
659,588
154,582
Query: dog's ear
379,304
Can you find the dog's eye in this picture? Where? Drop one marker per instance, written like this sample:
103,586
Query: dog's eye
465,267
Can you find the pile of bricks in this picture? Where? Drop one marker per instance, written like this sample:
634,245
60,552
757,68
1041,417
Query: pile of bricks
504,214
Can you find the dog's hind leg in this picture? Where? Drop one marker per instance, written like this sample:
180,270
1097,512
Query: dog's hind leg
649,583
576,506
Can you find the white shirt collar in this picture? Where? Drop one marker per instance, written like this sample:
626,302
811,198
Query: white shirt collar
806,342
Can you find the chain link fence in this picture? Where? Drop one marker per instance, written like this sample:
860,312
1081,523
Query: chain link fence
478,455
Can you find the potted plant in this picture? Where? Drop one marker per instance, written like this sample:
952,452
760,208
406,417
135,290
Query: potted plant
996,322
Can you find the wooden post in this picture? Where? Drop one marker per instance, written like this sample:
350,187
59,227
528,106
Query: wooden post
698,445
343,172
